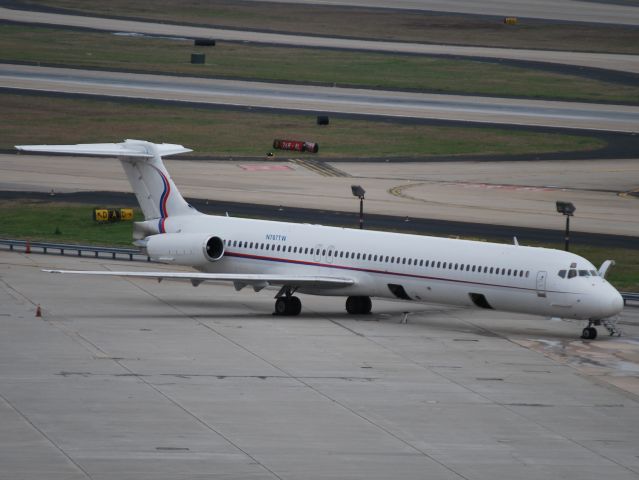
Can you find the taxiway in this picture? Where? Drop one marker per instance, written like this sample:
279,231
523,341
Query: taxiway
135,379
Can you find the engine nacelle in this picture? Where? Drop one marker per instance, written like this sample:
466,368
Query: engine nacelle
191,249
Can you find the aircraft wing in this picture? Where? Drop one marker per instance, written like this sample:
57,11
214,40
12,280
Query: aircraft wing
258,281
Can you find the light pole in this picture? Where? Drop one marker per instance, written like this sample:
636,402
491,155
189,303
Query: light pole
359,192
568,210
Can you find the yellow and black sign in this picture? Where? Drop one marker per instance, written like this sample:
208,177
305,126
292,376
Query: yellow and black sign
105,215
510,20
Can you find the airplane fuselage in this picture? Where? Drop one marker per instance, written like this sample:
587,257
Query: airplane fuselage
410,267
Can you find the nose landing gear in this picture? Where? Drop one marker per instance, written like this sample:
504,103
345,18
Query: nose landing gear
589,333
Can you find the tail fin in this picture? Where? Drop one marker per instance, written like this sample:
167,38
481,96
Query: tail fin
142,161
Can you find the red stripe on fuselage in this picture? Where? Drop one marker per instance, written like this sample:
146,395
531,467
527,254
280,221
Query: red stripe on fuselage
369,270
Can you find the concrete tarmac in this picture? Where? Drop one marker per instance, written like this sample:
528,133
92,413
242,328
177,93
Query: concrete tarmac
597,11
611,61
129,379
506,193
311,98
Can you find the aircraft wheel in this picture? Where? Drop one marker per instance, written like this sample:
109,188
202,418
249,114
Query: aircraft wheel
281,306
589,333
295,306
288,306
358,305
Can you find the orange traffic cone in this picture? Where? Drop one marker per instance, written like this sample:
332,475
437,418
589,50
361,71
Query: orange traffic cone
38,311
27,248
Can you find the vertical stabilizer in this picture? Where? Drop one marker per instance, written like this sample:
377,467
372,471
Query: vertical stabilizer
142,161
157,195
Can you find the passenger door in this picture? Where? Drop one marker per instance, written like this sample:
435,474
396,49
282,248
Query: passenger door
541,284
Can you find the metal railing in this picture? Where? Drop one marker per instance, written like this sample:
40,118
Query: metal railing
27,246
629,297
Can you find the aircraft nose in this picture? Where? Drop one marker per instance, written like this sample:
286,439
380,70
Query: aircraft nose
611,302
616,303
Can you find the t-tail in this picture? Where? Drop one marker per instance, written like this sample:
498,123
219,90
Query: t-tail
157,195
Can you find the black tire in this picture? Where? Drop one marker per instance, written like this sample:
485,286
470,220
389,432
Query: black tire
281,306
358,305
366,305
589,333
295,306
352,305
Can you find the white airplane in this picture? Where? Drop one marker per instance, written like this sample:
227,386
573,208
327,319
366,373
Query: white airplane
352,263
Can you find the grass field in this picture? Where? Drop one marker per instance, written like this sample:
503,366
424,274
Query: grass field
40,220
215,132
441,28
61,223
234,60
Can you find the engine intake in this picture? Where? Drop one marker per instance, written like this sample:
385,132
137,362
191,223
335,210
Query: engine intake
190,249
214,248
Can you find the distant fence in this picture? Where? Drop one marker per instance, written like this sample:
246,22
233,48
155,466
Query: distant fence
27,246
630,297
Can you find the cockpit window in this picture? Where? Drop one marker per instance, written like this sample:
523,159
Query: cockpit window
584,273
572,273
562,273
594,273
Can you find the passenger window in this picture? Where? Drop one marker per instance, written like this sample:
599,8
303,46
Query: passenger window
572,273
527,273
323,252
474,267
562,273
426,264
312,251
370,257
421,263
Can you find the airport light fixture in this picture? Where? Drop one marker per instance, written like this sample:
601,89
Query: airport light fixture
359,192
568,210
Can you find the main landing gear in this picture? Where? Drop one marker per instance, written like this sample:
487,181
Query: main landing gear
358,305
286,303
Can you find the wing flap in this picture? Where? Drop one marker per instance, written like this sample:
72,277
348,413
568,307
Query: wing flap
248,279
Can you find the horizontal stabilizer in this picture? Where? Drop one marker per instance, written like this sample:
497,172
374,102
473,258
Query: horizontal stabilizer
128,148
248,279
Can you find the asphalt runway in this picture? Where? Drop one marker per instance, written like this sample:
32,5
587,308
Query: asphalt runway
609,61
322,99
135,379
597,11
520,195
